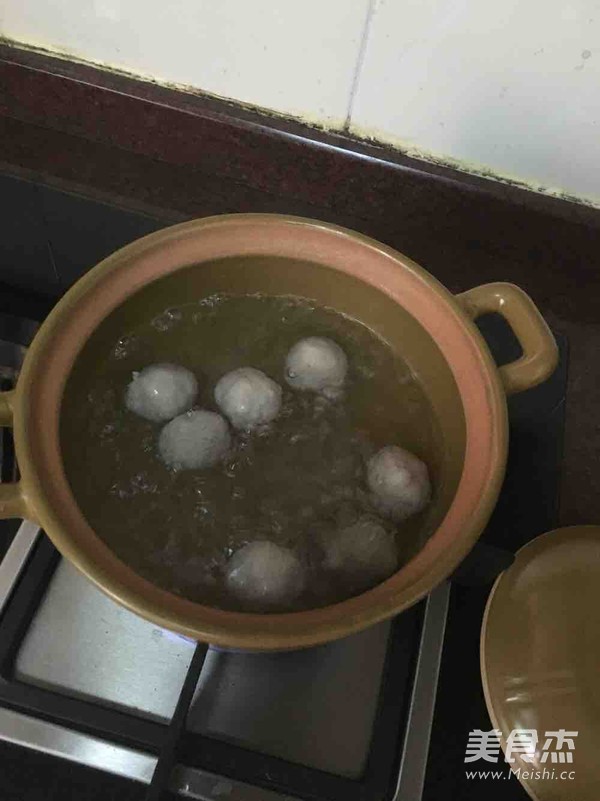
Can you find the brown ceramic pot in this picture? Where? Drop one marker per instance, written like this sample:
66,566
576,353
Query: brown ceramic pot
432,330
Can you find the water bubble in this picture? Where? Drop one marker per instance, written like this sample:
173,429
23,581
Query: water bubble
148,444
167,319
108,431
203,512
231,467
211,301
125,346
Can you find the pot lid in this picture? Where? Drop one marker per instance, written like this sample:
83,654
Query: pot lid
540,664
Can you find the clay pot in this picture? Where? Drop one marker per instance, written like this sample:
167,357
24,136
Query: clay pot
432,330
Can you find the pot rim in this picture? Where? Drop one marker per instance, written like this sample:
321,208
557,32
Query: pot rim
39,392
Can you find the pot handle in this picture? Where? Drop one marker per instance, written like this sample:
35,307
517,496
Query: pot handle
12,499
540,352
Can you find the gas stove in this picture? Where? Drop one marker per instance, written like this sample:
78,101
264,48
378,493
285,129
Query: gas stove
383,714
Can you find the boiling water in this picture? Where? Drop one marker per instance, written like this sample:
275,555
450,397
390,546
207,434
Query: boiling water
290,483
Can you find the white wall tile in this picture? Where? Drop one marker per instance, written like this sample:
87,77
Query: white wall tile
511,86
294,57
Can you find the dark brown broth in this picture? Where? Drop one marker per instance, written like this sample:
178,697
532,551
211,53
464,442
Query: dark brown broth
291,483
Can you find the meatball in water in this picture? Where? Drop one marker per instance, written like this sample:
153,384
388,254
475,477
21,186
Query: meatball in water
265,576
248,397
317,364
161,391
194,440
362,554
399,483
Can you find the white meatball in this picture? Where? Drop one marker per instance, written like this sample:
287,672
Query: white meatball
248,397
363,554
317,364
399,483
265,576
194,440
161,391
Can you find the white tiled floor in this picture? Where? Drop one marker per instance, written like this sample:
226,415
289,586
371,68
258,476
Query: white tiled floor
512,86
295,57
